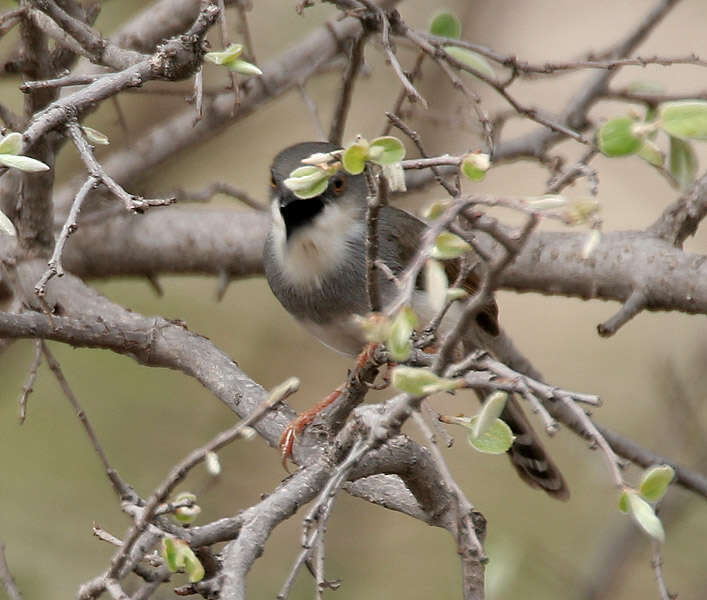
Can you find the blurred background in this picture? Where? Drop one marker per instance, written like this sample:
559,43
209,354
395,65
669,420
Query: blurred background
650,375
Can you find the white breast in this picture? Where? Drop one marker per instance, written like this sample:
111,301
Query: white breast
318,248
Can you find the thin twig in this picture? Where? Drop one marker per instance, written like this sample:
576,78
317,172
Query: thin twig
634,304
121,489
54,266
343,101
376,189
66,81
219,187
397,107
13,593
28,387
96,171
657,564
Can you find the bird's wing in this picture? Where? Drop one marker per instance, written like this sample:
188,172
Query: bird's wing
400,235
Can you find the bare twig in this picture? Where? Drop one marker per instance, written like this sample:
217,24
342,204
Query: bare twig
343,101
55,266
28,387
6,577
219,187
657,564
634,304
121,489
96,172
65,81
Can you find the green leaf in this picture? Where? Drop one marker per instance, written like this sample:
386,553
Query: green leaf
645,516
497,438
448,245
456,294
11,143
655,481
354,157
471,59
226,56
436,283
616,137
168,551
447,25
6,226
386,150
94,136
417,381
547,202
651,153
307,182
192,565
684,118
243,67
682,162
490,412
581,210
475,165
434,210
213,464
398,343
23,163
376,327
186,514
623,500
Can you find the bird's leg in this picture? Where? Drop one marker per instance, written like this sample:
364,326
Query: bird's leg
287,439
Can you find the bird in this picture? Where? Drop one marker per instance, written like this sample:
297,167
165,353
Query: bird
314,260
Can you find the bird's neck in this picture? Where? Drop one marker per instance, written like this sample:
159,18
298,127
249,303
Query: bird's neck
316,241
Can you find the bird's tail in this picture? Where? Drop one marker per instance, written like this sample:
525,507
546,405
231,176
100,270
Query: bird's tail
527,454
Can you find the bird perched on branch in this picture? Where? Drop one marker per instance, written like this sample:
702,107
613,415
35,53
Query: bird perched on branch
315,263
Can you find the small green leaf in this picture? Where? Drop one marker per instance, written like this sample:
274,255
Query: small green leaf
354,157
623,500
497,438
475,165
94,136
243,67
11,143
226,56
490,412
684,118
23,163
168,551
398,343
471,59
376,327
617,138
6,226
645,516
434,210
417,381
192,565
307,182
448,245
186,514
682,162
651,153
447,25
213,464
581,210
456,294
386,150
436,283
655,481
547,202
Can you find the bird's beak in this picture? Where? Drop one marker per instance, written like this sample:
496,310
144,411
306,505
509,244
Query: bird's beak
285,198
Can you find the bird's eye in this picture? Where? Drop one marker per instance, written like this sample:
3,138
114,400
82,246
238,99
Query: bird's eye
273,183
338,184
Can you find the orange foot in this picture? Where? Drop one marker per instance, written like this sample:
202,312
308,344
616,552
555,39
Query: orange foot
287,439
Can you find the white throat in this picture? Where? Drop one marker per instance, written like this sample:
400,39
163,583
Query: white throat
317,248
